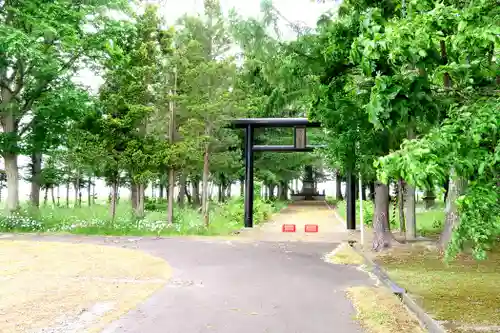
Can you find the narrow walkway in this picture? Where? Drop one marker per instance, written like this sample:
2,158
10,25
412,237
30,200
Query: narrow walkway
270,282
300,213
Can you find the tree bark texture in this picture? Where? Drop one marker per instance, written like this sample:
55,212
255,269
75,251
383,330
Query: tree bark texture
196,192
12,172
457,187
382,237
182,190
338,186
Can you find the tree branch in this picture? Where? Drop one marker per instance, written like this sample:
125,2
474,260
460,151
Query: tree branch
43,86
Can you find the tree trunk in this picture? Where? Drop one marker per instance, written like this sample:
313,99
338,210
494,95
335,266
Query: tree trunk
371,186
170,203
9,127
12,173
93,192
133,195
429,198
228,191
446,187
283,192
45,196
77,188
113,201
52,196
338,186
382,236
188,196
140,200
410,207
205,201
36,173
182,190
195,185
220,194
89,192
452,219
162,189
242,187
363,193
270,189
401,206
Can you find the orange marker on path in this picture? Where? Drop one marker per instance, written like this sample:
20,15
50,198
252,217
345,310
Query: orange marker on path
311,228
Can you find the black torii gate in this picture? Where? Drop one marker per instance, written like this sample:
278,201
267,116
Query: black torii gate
300,145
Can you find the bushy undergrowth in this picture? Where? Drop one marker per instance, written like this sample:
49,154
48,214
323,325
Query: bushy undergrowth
368,209
224,218
332,201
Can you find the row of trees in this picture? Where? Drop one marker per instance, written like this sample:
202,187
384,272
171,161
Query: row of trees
160,116
412,86
407,91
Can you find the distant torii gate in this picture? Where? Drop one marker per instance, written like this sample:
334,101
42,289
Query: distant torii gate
300,145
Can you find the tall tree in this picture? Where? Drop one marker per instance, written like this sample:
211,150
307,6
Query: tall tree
41,42
206,91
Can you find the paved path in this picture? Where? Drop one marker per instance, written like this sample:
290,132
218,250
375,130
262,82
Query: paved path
300,214
252,286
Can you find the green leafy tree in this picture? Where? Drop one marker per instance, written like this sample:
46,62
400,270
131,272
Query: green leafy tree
205,91
41,42
127,99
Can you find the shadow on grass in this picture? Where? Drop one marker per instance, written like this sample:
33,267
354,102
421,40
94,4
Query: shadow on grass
462,293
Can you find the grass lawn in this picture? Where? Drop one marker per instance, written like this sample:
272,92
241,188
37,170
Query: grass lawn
95,219
429,222
61,287
464,293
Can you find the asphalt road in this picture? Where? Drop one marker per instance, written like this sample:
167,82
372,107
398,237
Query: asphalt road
245,287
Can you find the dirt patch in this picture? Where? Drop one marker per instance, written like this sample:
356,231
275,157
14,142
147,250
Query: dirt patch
463,294
48,285
379,311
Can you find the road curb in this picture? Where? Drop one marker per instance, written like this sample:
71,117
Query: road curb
426,321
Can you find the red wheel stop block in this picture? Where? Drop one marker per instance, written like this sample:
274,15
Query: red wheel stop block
311,228
288,228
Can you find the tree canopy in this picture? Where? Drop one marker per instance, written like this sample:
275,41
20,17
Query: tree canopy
407,93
